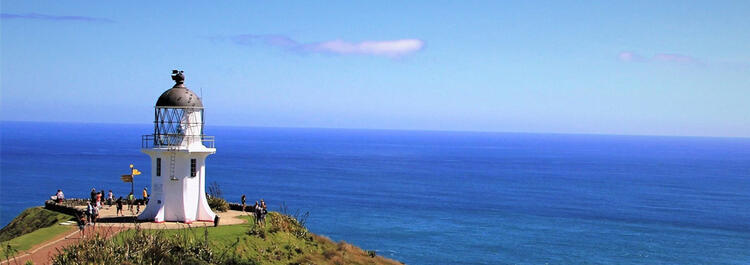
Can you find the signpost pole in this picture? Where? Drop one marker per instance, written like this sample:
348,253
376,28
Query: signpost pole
132,181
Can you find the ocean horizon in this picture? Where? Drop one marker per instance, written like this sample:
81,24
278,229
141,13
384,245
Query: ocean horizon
437,197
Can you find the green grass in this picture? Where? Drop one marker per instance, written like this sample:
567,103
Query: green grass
30,220
26,241
281,240
235,238
33,227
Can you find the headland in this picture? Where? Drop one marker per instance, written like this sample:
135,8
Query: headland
50,235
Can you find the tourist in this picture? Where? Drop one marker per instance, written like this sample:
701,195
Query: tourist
94,215
262,216
138,207
89,211
243,202
93,194
145,195
81,225
110,198
256,212
119,207
263,211
60,196
131,200
99,199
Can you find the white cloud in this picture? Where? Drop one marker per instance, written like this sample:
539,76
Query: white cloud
387,48
390,48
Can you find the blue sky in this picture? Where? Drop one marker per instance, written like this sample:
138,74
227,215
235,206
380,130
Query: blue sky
633,67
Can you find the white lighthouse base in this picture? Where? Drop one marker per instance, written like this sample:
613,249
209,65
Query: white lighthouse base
178,210
181,198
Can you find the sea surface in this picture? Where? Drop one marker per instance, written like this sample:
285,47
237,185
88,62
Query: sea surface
426,197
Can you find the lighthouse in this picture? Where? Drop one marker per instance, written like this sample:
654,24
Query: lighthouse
178,150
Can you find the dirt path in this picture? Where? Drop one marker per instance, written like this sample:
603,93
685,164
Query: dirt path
42,254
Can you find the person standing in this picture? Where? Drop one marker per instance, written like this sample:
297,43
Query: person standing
243,202
145,195
119,207
93,194
263,211
89,211
110,198
131,200
256,212
94,216
81,225
60,196
99,196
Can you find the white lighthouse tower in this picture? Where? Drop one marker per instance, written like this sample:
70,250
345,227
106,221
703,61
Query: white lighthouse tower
178,151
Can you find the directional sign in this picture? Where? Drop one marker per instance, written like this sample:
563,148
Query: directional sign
126,178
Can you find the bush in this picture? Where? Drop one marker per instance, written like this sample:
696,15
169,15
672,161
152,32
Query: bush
215,199
144,247
288,224
214,190
218,204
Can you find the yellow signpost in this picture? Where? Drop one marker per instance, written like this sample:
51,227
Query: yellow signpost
126,178
129,178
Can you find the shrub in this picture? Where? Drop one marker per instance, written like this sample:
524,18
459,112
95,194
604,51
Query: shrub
144,247
218,204
299,216
288,224
215,198
214,190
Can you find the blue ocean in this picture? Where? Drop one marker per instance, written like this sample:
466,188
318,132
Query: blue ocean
425,197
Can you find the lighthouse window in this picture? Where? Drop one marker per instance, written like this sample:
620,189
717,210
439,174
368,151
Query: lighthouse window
192,167
158,166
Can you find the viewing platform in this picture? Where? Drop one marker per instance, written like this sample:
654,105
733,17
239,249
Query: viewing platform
109,218
168,141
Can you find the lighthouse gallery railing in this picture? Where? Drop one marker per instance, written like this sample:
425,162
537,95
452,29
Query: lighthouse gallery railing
173,140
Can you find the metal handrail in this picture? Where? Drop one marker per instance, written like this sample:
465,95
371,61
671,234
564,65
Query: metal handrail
174,140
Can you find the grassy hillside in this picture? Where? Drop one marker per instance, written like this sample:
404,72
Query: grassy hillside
33,226
281,240
30,220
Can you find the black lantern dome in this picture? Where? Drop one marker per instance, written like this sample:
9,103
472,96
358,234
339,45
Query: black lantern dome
179,96
178,118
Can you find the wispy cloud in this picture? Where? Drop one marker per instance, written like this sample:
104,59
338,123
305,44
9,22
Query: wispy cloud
630,57
660,57
387,48
36,16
